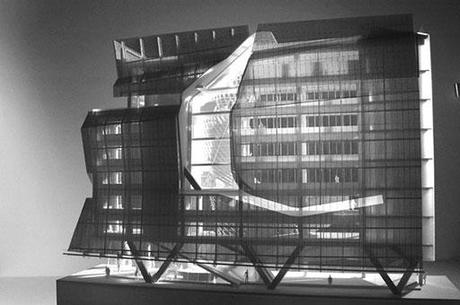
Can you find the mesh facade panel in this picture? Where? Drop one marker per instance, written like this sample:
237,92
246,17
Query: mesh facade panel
329,116
131,156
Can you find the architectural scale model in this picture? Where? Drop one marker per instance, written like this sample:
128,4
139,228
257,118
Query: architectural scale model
304,146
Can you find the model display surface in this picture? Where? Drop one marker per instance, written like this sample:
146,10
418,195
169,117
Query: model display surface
298,147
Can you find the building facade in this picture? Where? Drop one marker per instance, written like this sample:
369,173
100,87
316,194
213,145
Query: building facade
306,145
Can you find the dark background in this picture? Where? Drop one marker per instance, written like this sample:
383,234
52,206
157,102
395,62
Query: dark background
56,63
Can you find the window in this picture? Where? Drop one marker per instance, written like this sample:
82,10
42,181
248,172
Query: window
112,178
267,176
317,68
134,127
114,202
354,147
311,121
136,177
137,229
287,149
312,148
263,149
254,150
135,153
116,178
354,120
338,120
354,175
136,202
288,175
285,70
137,101
346,148
112,129
334,148
114,227
101,156
270,149
332,121
114,153
270,123
325,149
339,147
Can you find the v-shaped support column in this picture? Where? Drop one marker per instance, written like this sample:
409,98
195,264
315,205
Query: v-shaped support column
226,277
395,289
286,267
139,262
266,275
172,255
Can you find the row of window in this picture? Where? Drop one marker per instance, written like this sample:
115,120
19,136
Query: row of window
332,120
311,121
308,148
111,153
309,175
330,95
117,177
278,97
313,95
270,149
331,148
116,129
307,64
328,175
116,227
271,122
111,129
116,153
116,202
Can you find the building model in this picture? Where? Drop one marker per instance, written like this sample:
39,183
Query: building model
304,146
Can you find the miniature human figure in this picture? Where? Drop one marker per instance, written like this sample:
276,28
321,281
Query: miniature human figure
246,276
329,280
422,278
337,179
107,271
